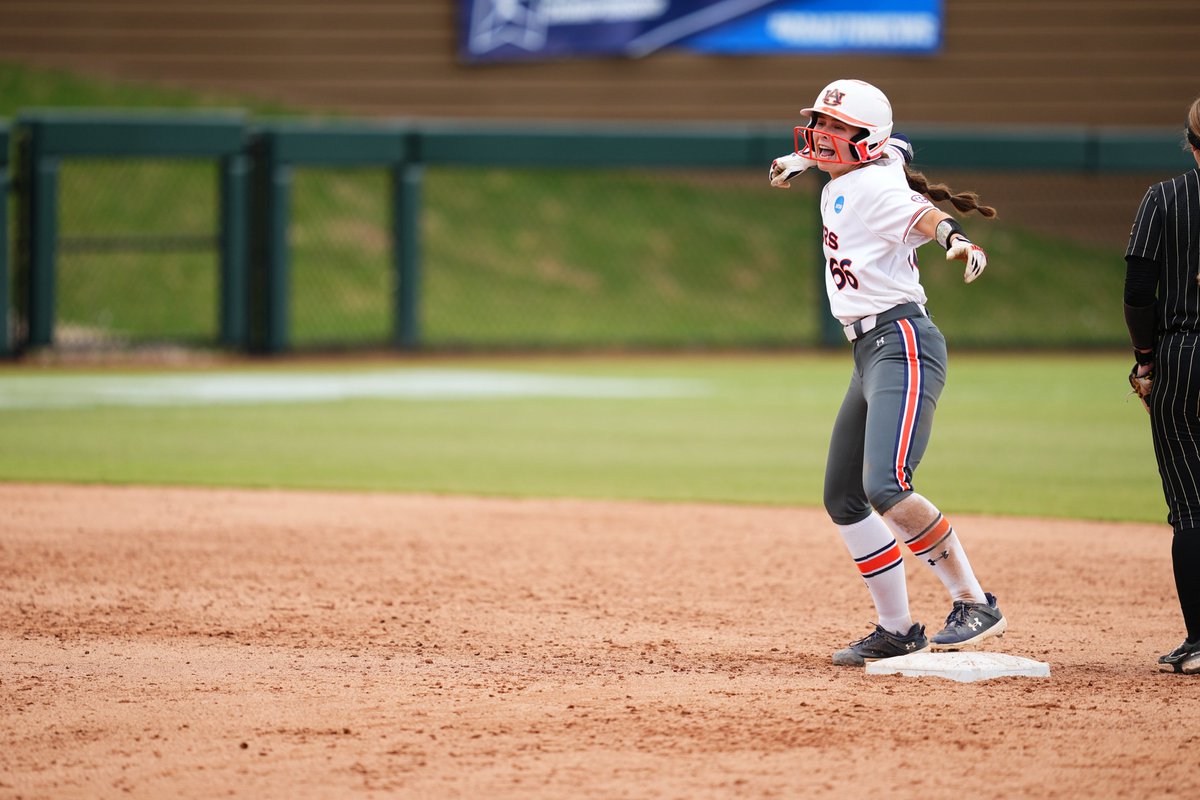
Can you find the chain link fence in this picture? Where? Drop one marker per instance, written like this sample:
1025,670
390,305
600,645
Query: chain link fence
523,258
137,254
343,282
535,259
529,259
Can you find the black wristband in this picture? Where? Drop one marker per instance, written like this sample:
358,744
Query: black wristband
1143,359
945,231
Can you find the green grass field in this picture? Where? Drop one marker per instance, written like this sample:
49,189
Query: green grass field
1043,436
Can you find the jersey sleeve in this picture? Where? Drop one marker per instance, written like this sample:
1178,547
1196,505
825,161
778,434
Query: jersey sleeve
894,213
1145,239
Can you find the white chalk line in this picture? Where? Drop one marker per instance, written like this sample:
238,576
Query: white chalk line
231,388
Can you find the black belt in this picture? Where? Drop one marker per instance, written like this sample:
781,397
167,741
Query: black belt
861,327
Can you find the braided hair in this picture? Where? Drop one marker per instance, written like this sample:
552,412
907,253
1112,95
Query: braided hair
963,201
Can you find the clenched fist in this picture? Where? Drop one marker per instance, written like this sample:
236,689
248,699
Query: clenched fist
784,168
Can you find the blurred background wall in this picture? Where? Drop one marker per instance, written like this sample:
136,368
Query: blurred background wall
1097,62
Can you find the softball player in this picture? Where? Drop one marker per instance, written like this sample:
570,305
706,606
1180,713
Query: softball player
1162,312
876,212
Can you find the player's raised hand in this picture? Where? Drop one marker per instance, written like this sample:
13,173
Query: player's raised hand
784,168
963,249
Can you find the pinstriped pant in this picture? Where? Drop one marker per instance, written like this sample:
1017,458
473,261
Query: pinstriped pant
886,418
1175,425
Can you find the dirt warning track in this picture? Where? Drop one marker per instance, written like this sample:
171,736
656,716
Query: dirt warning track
214,643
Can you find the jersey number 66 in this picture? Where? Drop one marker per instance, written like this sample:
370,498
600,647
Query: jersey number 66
840,270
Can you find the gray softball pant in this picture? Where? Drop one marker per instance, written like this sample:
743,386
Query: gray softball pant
886,418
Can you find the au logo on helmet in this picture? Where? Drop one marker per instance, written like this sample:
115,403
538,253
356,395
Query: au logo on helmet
833,97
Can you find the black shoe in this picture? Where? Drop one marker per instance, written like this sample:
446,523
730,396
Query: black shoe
882,644
969,624
1185,658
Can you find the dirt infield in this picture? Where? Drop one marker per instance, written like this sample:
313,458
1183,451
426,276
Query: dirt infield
210,643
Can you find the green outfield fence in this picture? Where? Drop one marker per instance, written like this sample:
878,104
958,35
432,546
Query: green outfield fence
380,295
218,231
81,267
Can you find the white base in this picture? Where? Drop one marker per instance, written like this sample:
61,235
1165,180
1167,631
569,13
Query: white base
962,667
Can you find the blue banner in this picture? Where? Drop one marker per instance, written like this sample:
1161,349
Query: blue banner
533,30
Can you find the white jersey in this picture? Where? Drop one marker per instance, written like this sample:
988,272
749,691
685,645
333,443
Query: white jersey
870,239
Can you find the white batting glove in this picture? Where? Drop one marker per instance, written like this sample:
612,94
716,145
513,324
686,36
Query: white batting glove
963,249
784,168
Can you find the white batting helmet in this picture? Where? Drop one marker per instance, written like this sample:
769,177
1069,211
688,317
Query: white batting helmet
855,103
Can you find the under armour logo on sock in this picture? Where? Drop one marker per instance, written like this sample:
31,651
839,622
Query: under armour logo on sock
933,561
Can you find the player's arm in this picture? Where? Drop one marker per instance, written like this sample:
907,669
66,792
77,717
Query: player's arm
1141,287
945,230
786,167
1141,290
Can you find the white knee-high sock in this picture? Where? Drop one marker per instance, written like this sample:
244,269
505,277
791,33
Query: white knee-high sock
931,538
881,563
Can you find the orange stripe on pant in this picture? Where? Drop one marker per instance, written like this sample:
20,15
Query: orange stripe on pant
912,401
